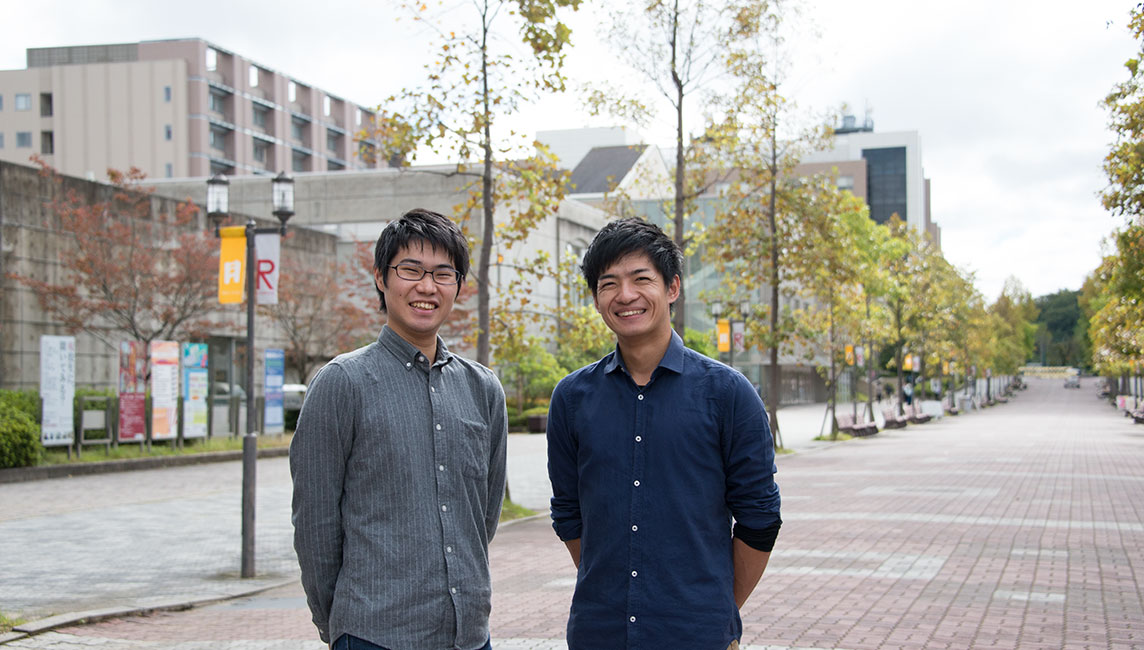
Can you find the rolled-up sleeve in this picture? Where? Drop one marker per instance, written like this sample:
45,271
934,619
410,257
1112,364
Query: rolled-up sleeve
563,470
749,458
498,452
318,455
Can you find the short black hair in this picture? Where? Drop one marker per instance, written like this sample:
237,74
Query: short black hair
426,227
623,237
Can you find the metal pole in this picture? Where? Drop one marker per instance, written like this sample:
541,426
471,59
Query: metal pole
249,441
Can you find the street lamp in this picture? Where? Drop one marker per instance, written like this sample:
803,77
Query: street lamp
282,198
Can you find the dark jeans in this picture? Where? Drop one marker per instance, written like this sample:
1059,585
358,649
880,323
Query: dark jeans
347,642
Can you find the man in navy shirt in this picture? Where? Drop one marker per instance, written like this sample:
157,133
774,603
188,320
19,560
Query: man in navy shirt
651,452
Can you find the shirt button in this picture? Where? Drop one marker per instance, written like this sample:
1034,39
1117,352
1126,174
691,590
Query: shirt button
639,438
440,468
634,574
420,358
408,365
444,508
640,398
635,528
448,549
453,589
438,427
432,390
632,619
636,483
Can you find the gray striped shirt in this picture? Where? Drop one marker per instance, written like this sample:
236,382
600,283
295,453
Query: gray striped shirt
399,472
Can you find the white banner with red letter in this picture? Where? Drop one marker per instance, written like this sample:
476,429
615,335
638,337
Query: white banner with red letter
266,251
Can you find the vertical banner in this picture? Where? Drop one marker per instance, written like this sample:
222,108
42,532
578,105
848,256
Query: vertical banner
274,414
860,354
132,391
57,389
164,390
266,254
231,263
194,390
723,334
849,349
739,335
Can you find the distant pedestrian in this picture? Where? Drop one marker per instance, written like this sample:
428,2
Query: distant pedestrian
398,464
908,393
652,451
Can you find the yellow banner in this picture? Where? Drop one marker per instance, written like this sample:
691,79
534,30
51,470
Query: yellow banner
849,355
723,334
231,265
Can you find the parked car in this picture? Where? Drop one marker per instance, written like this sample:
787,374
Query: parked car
222,392
293,396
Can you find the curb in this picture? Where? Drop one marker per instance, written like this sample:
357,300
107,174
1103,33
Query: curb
22,474
42,625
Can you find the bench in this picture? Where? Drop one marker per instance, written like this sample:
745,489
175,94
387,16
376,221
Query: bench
893,420
915,416
847,424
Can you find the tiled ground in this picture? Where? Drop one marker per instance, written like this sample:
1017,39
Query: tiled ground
1020,526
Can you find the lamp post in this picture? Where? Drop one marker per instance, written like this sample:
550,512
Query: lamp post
282,199
744,310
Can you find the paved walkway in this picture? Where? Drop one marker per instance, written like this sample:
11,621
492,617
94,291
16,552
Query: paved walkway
1020,526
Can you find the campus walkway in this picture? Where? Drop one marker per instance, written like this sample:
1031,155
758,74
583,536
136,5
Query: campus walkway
1019,526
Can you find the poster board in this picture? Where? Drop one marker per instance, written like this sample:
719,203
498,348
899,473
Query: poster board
57,390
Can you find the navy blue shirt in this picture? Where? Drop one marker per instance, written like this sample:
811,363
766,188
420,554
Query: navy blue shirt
649,478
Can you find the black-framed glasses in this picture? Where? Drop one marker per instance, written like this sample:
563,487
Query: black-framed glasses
414,273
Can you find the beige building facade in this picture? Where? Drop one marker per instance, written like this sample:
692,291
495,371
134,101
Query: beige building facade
174,109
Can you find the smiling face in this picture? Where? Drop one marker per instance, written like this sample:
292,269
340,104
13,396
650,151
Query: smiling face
634,300
416,309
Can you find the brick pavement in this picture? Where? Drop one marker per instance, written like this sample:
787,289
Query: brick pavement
1020,526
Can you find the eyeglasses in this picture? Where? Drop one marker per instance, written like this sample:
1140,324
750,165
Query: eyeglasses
414,273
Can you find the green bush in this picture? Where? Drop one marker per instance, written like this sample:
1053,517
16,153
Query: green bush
25,401
19,438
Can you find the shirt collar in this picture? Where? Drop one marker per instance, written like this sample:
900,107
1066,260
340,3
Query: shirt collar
406,351
672,359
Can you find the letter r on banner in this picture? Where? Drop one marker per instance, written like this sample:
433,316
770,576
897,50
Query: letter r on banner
267,247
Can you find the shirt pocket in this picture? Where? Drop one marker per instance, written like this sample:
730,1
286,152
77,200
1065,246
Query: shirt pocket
473,449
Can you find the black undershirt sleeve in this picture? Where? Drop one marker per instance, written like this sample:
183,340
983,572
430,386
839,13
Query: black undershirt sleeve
760,539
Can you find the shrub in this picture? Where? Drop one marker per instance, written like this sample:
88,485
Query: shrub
26,401
19,438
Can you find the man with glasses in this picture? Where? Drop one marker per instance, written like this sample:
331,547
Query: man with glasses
398,464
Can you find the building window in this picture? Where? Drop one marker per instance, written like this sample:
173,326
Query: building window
332,140
846,182
166,93
335,166
23,102
47,143
1,140
259,114
170,170
218,103
298,129
299,161
168,132
1,102
45,104
326,105
212,60
253,74
260,150
24,140
292,91
218,139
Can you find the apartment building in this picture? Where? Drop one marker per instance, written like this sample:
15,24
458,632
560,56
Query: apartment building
174,109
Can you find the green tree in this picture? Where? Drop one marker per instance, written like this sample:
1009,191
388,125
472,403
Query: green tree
682,47
1124,164
476,83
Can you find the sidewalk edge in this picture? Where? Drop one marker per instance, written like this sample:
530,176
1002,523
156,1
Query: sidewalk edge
23,474
32,628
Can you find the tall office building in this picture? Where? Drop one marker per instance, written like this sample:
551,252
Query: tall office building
173,108
885,169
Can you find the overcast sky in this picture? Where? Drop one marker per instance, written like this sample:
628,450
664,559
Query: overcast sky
1004,95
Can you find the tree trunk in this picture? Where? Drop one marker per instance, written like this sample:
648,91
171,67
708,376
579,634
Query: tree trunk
773,395
483,302
679,318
